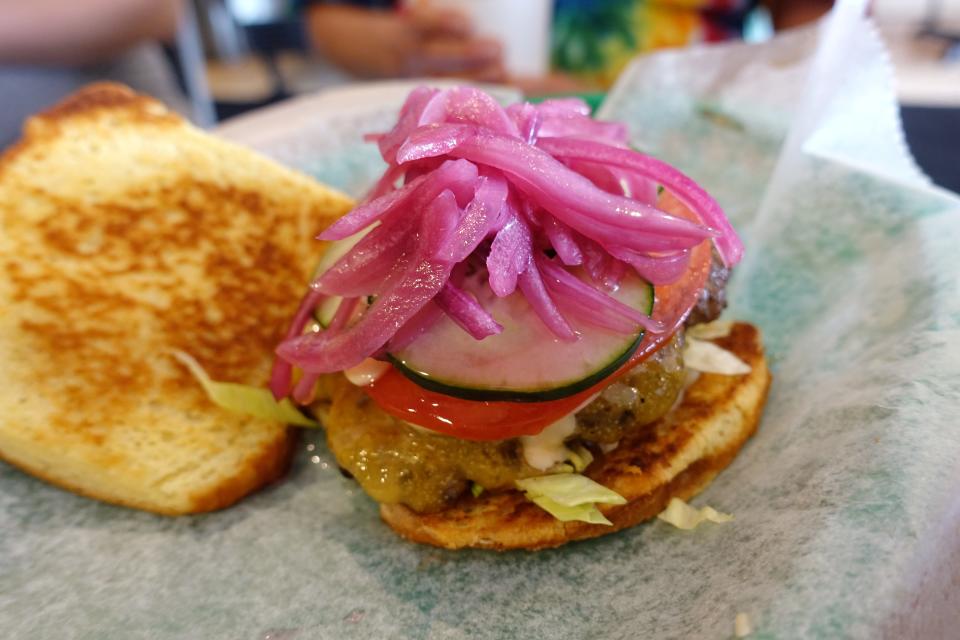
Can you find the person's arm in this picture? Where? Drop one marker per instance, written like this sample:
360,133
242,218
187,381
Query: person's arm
794,13
74,32
419,42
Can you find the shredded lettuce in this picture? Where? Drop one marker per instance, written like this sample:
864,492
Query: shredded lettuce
476,490
709,358
683,516
570,489
582,512
244,399
710,330
570,496
580,457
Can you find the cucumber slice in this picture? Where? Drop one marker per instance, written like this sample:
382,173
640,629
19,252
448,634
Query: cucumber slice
526,362
339,248
325,311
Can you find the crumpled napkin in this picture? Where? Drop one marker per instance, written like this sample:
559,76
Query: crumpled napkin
851,489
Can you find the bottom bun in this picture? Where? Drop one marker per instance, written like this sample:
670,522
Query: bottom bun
678,456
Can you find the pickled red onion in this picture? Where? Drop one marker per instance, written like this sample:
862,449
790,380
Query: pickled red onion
686,190
499,189
467,312
533,288
510,252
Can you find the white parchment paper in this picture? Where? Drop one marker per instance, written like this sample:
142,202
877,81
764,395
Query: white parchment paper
853,270
847,501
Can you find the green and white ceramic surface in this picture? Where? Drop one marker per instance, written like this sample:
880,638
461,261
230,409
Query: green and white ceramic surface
846,501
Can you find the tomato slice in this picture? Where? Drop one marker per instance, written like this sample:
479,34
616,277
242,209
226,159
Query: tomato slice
473,420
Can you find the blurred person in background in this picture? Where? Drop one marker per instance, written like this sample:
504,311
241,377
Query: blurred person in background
378,39
49,48
592,40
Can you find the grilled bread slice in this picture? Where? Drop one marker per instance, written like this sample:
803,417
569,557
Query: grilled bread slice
126,233
676,456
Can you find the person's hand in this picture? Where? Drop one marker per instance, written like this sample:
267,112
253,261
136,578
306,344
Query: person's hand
794,13
418,41
443,44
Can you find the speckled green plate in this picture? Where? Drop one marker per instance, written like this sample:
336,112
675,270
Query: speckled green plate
845,501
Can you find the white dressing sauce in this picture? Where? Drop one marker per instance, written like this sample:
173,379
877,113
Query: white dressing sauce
546,449
367,372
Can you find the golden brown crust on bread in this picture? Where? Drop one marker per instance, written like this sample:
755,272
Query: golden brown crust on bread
678,457
260,468
125,233
124,105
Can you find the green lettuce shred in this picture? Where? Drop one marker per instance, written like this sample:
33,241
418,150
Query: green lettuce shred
245,399
580,457
710,330
476,490
684,516
582,513
707,357
570,496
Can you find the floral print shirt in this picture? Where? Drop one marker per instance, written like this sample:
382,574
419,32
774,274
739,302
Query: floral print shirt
595,39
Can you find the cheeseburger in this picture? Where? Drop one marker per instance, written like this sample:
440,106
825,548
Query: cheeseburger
512,342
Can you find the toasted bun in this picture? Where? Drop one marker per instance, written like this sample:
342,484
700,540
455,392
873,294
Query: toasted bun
125,233
679,457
